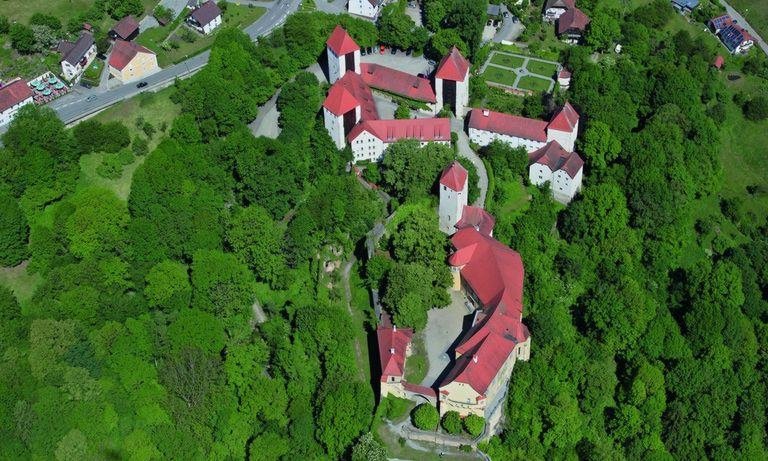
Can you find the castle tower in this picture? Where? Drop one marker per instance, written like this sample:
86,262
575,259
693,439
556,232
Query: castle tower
452,82
343,54
453,196
341,112
564,127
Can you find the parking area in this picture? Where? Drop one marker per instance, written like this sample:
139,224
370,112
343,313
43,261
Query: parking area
443,328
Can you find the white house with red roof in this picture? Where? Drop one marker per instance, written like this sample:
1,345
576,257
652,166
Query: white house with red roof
13,96
349,102
561,169
343,54
564,78
366,8
453,196
394,349
369,139
452,82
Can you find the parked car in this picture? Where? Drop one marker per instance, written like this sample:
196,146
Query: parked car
141,84
382,48
362,52
409,51
85,84
422,75
394,50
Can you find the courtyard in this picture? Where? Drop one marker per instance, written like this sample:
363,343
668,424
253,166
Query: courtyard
520,72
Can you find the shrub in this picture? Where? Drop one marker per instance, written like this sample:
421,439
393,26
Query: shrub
139,146
474,425
371,173
756,108
125,157
188,36
110,167
148,130
425,417
452,422
402,111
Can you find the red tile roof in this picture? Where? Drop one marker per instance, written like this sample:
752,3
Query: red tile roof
557,158
453,66
719,61
415,388
398,82
13,93
478,218
512,125
564,73
454,176
565,119
572,19
123,52
566,4
126,27
347,93
422,129
340,42
392,342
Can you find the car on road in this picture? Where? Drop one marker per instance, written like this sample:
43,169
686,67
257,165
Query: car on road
91,98
141,84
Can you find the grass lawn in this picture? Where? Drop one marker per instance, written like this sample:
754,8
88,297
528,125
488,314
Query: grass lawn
546,69
21,283
416,365
510,197
65,10
120,186
529,82
499,75
507,60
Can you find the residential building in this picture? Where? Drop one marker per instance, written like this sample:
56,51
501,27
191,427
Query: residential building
453,196
564,78
491,275
452,82
343,54
370,138
394,349
478,219
486,125
553,9
366,8
561,169
126,29
130,61
571,25
736,39
13,96
349,102
719,23
398,82
685,6
77,56
206,17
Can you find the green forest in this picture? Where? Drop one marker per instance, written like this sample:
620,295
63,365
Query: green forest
198,318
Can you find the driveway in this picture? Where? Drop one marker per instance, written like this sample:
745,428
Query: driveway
414,12
410,64
332,6
743,23
443,327
457,125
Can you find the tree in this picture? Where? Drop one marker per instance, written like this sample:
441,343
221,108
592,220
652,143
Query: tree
190,375
368,448
434,13
222,285
41,19
13,231
474,424
505,160
442,42
452,422
168,286
425,417
468,18
599,145
340,419
603,30
257,241
72,446
418,240
395,26
403,111
410,172
119,9
23,39
97,225
185,130
756,108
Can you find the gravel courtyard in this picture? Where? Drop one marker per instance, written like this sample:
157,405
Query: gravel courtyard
443,328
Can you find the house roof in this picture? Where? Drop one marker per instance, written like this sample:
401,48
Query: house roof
565,4
719,61
126,27
721,22
398,82
454,176
572,19
422,129
13,93
733,36
556,158
349,92
340,42
206,13
564,73
476,217
512,125
565,119
453,66
74,52
689,4
123,52
392,343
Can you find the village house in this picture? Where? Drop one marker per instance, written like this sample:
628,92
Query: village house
13,96
685,6
733,36
553,9
126,29
205,18
564,78
571,25
77,56
349,110
130,61
561,169
366,8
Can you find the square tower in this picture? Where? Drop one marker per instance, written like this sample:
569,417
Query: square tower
343,54
452,82
453,196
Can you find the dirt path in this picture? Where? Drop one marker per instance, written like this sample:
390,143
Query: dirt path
348,296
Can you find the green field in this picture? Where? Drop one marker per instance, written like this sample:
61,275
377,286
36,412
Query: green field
532,83
499,75
507,60
65,10
546,69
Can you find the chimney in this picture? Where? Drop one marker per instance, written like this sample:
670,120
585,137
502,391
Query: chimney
486,112
392,350
474,358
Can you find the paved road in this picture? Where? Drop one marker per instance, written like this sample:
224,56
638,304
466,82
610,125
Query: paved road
465,151
743,22
81,103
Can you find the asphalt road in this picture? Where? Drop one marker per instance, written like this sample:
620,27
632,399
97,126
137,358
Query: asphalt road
81,103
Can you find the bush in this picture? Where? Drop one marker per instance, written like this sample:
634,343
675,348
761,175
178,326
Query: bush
452,422
23,39
756,108
13,231
40,19
402,111
148,130
371,173
188,36
139,146
110,167
425,417
125,157
474,425
5,25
